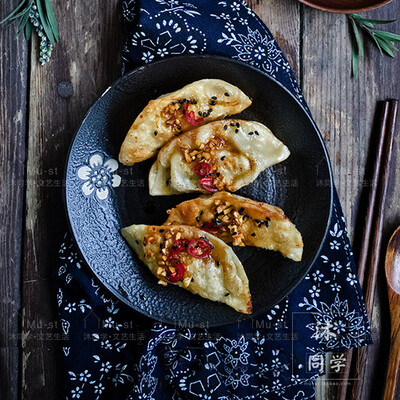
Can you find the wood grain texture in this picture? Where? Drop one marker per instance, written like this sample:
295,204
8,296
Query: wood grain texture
392,270
13,95
317,46
345,111
83,64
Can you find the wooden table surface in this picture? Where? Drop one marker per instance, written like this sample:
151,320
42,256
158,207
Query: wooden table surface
38,120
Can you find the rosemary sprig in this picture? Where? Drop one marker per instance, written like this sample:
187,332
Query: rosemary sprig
38,15
385,41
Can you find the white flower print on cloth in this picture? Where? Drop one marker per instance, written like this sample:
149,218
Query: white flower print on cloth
175,6
128,7
174,36
335,326
235,352
256,49
352,279
98,176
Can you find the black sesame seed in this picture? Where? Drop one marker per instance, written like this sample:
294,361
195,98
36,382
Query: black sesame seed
212,246
232,124
200,113
237,124
182,101
209,111
161,230
161,245
155,133
253,234
204,114
194,101
227,94
236,130
212,103
180,280
227,294
174,247
257,220
241,209
268,219
225,127
137,241
218,174
251,133
266,224
256,132
202,212
218,263
223,158
192,280
214,97
179,128
234,233
167,182
197,219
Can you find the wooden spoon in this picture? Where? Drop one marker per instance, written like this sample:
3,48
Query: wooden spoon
392,269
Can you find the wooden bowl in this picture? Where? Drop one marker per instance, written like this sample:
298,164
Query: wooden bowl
344,6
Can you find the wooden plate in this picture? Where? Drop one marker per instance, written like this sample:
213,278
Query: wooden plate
344,6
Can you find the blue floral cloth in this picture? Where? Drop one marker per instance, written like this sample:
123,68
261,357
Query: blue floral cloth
111,352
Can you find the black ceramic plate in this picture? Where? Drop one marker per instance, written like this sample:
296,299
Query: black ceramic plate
102,196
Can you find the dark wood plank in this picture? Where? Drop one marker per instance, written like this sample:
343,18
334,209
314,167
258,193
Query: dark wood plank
86,61
345,111
13,84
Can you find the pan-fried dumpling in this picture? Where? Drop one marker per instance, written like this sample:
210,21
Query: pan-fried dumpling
170,115
242,222
222,155
194,260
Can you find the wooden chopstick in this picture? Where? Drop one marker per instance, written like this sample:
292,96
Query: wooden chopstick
383,153
362,354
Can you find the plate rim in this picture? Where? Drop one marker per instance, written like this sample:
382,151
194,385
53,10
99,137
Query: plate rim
113,290
314,4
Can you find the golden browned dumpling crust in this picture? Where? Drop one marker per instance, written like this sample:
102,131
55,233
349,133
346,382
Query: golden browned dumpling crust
242,222
222,155
170,115
194,260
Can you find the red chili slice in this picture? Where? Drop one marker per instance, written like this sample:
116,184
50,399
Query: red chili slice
178,247
178,274
190,117
207,183
199,248
180,244
202,169
211,227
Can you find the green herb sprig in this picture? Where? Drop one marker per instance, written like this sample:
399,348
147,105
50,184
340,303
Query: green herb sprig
38,15
385,41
